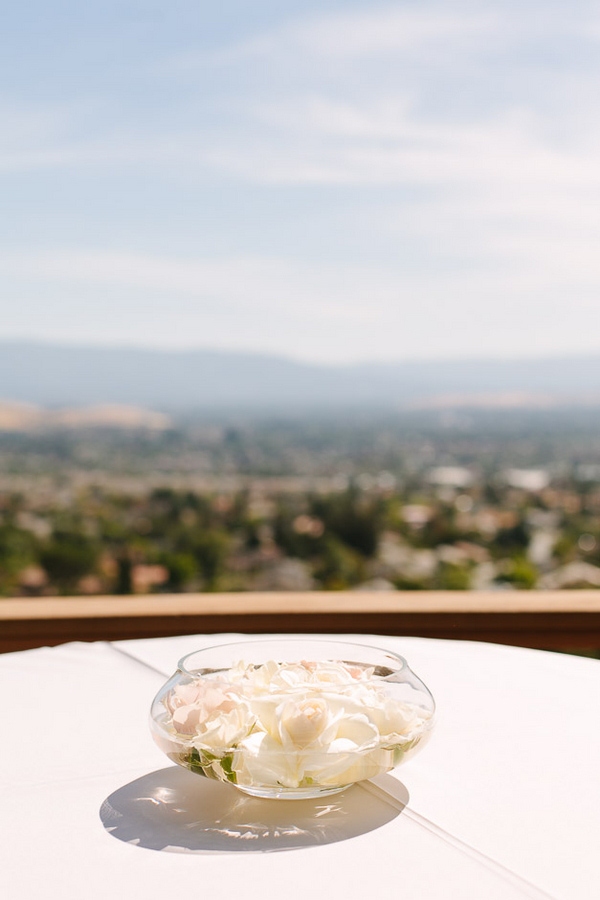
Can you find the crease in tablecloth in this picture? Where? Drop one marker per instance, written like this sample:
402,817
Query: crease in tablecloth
381,786
136,659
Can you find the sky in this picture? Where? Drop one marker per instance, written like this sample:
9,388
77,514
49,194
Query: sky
328,181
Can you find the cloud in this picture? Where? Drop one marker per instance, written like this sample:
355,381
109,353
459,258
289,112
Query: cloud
323,141
317,291
318,307
387,30
356,35
36,140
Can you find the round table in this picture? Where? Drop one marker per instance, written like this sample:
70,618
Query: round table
503,803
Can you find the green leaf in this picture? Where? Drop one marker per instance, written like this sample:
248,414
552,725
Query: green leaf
398,754
227,764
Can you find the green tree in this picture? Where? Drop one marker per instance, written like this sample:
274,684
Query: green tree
354,520
339,566
440,529
520,573
209,549
182,569
18,549
451,577
67,557
512,540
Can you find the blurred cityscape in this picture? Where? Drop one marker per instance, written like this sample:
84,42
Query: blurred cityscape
118,501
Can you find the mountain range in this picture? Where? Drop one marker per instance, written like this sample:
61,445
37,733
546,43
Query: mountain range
54,376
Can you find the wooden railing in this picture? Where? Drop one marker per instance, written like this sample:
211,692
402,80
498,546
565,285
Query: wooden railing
552,619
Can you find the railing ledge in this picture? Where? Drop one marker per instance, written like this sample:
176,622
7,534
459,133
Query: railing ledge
550,619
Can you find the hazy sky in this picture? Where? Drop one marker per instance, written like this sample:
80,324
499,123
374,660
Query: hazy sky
332,181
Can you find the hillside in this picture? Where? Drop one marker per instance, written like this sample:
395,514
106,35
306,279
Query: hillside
51,375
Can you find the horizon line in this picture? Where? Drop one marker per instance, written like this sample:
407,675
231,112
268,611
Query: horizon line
65,344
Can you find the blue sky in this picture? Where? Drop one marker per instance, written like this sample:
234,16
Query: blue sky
332,181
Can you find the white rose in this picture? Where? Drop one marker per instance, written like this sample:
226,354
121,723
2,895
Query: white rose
210,695
303,722
223,730
182,695
259,760
282,676
277,676
391,717
211,715
312,739
350,767
337,673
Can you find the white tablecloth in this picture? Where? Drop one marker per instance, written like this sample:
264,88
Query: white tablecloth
503,803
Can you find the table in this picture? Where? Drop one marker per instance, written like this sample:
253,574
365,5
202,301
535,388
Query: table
503,803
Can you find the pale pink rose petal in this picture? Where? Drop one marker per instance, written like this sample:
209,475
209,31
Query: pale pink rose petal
187,719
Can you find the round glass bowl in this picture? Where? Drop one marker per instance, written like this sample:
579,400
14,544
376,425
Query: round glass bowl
289,718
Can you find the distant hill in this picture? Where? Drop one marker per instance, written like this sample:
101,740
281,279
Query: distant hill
15,416
53,376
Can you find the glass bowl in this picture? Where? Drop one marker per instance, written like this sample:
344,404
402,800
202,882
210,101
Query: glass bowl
291,719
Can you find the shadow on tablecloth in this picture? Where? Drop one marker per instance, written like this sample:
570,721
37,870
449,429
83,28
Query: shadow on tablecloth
174,810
